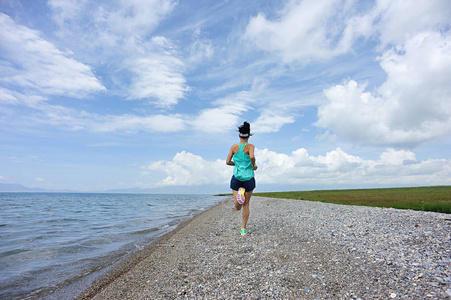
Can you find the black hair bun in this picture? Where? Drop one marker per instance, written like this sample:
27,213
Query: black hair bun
245,128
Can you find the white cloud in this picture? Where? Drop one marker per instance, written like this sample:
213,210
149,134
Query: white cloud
7,97
225,115
270,121
307,30
397,21
275,115
418,81
65,11
393,157
304,31
156,72
138,16
157,76
412,106
187,169
214,120
222,118
75,120
201,49
299,168
120,17
144,67
153,123
34,63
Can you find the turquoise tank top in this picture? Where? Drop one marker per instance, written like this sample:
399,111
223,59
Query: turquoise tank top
243,170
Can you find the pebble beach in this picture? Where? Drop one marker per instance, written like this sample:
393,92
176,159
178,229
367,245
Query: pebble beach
293,250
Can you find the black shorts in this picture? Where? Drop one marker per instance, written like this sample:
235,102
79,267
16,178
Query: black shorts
248,185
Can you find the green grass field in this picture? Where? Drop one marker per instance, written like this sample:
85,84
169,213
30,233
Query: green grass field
436,198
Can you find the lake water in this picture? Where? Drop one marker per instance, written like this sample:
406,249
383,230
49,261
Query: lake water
53,245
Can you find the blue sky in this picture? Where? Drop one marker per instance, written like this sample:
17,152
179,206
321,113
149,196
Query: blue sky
99,95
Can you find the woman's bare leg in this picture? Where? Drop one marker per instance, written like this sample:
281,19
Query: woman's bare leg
246,212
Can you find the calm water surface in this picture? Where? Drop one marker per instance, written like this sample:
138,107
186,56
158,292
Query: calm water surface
54,245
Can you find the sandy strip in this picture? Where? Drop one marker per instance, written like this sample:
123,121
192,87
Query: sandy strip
294,250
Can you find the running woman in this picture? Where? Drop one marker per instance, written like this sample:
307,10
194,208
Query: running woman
242,157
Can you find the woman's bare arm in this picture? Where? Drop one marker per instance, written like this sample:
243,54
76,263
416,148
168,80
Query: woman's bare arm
252,156
229,161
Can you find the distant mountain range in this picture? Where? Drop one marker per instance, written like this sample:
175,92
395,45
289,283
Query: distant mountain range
15,187
18,188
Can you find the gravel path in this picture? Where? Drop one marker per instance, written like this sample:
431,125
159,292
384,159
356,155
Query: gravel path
294,250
